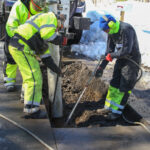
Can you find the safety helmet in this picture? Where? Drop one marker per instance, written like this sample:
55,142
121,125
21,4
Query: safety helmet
109,22
106,22
39,4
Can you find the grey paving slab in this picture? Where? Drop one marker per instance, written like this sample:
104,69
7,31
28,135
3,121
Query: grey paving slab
12,138
10,106
104,138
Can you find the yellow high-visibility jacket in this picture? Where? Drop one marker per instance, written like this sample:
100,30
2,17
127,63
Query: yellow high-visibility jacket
35,33
19,14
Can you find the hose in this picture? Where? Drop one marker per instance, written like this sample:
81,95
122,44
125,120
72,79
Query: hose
136,123
27,131
131,60
128,121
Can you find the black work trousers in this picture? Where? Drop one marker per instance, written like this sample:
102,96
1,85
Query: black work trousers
125,74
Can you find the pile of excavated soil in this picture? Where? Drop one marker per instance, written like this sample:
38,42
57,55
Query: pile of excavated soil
75,77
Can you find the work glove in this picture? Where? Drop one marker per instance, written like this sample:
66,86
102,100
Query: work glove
48,61
60,40
108,57
99,72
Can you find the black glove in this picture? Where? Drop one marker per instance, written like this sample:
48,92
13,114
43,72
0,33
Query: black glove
48,61
59,40
99,72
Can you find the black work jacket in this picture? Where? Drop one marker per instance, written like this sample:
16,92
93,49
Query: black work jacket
124,43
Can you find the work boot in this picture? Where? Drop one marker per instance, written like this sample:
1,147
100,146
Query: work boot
34,112
10,88
112,116
36,115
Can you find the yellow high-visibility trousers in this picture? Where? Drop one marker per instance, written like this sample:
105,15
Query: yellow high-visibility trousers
31,74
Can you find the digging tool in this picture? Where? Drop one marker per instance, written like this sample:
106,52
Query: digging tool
86,86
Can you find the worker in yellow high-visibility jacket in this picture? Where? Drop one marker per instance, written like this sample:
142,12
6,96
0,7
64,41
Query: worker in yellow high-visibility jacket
21,11
31,40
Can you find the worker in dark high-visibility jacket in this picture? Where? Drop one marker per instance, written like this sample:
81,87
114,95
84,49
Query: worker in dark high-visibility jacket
20,12
31,40
122,44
